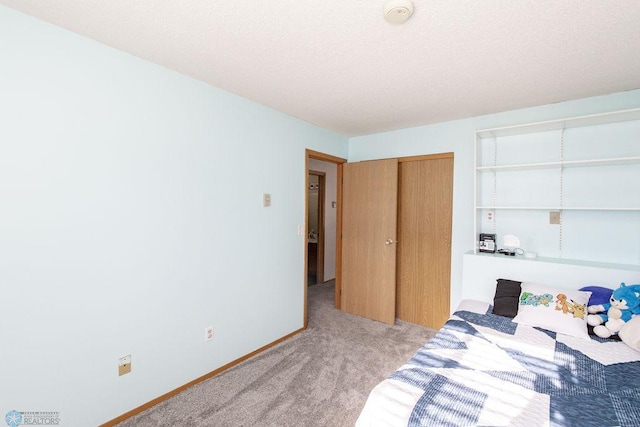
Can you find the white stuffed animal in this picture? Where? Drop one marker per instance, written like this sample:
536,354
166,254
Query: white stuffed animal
630,333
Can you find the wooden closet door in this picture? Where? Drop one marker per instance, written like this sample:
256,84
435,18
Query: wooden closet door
424,234
369,219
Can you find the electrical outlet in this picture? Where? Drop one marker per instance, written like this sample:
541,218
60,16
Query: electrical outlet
208,333
124,365
490,215
554,217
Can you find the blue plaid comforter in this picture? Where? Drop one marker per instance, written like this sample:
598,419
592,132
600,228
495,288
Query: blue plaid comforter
483,369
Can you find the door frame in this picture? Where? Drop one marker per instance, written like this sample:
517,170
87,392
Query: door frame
311,154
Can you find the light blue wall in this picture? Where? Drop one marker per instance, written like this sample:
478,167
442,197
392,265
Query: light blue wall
458,137
131,217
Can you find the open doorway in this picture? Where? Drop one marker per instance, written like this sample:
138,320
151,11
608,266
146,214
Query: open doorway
326,259
316,224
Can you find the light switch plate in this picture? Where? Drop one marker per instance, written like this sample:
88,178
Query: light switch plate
124,365
266,200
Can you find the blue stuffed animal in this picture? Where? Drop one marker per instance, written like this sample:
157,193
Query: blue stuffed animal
623,305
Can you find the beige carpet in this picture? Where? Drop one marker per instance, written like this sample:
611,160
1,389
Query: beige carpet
320,377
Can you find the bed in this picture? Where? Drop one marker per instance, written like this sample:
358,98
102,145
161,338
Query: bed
490,370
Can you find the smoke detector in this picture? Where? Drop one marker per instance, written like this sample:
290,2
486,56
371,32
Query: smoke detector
398,11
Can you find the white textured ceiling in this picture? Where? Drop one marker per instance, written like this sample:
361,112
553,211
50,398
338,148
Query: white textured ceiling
340,65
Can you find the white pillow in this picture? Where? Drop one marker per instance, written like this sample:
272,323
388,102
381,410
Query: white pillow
559,310
630,333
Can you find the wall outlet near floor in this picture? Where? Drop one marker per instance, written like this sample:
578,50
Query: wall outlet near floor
208,333
554,217
124,365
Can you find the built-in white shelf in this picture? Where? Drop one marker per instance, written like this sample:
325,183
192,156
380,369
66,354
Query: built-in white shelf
480,271
579,170
562,261
565,164
557,208
567,123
